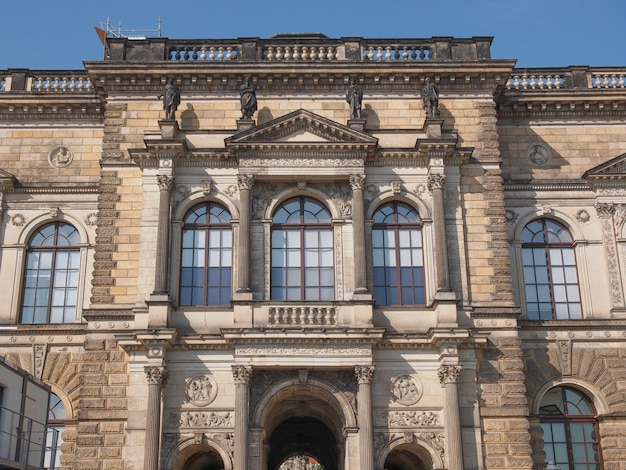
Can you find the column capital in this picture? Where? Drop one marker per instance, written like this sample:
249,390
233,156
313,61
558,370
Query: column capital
165,182
245,181
242,374
357,181
364,374
449,374
605,209
436,181
155,374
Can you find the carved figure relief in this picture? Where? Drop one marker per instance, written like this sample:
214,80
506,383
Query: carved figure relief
60,157
406,390
201,390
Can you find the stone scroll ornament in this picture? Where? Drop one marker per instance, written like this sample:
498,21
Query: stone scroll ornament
201,390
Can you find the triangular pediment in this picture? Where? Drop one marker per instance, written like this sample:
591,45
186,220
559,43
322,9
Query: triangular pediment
301,127
614,169
7,180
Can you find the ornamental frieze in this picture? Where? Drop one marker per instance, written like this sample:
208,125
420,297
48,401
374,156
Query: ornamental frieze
200,419
406,419
300,162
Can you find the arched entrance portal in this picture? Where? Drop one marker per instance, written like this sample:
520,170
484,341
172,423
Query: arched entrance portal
302,436
307,420
206,459
404,458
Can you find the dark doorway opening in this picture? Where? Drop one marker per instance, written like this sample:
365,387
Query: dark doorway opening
205,460
303,436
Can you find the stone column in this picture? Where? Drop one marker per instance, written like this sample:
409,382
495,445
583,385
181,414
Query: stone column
364,376
241,376
357,183
449,377
435,184
165,183
245,183
155,376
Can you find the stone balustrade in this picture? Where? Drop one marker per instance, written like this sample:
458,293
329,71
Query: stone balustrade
387,52
203,53
566,78
301,53
303,315
45,82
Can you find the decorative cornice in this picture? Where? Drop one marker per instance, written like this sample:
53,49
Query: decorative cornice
536,186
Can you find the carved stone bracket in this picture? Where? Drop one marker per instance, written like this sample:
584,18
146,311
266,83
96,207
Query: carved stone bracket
564,350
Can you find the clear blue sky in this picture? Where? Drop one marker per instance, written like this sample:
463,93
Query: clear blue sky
40,34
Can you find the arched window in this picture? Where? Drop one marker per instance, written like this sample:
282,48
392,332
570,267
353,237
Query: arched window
570,429
207,252
51,275
302,252
398,259
550,277
54,436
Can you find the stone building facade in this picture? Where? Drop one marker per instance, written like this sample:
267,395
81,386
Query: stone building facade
308,286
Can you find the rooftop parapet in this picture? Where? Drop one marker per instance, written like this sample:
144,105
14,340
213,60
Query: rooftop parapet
307,47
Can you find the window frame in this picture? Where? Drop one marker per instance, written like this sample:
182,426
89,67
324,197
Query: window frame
546,245
396,227
302,228
206,228
568,420
55,249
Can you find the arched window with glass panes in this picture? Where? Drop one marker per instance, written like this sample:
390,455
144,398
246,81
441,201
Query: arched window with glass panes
206,259
550,273
398,258
570,430
51,275
302,252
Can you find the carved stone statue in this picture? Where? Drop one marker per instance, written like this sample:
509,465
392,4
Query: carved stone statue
430,99
248,100
354,96
171,99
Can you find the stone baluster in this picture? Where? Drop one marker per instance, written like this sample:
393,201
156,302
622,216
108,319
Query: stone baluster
357,183
156,376
364,376
449,377
241,376
245,183
165,183
435,184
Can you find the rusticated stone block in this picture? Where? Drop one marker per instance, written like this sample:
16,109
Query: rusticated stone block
494,462
86,452
114,440
87,465
518,462
88,428
89,440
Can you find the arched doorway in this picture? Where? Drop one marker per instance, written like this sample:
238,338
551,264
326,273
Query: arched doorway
206,459
193,455
302,438
404,458
303,422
